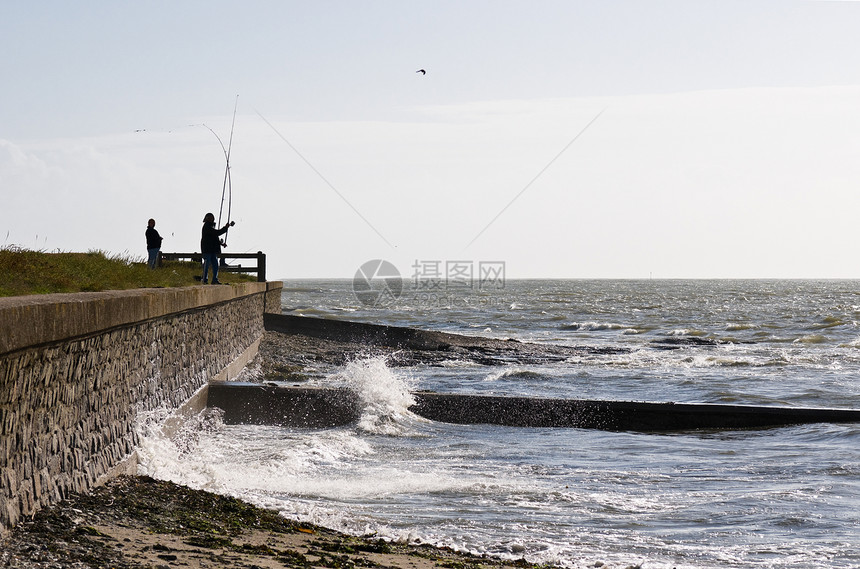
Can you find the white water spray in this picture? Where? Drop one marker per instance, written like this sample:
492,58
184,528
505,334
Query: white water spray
385,395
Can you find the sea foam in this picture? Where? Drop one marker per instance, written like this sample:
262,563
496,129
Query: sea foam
385,395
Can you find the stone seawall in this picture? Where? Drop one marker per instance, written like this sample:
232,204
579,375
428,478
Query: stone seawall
78,370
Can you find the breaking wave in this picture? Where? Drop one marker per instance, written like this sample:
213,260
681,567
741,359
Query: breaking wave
593,326
385,395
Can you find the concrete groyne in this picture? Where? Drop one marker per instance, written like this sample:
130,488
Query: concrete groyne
314,407
294,406
77,371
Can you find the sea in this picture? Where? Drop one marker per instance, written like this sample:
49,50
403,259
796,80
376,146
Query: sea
772,497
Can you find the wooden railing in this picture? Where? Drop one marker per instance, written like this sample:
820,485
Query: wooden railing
259,269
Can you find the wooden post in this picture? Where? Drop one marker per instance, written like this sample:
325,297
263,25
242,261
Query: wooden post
261,267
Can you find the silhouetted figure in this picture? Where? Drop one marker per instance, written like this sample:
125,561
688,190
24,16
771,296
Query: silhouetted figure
153,243
210,246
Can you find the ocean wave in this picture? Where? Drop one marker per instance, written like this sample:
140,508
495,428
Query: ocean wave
303,289
306,311
515,374
386,396
459,364
810,339
593,326
828,322
674,342
686,332
740,327
741,362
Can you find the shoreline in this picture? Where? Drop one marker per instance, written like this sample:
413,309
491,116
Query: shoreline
140,522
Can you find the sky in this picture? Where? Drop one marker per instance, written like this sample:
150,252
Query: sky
562,138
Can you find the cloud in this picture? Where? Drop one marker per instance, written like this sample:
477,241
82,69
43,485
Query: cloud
734,183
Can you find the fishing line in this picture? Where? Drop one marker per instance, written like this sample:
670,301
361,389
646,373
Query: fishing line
228,177
323,178
230,180
539,174
227,186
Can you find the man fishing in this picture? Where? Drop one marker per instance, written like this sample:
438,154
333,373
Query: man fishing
210,246
153,243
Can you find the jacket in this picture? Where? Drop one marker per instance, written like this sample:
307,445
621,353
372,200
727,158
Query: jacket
153,239
209,242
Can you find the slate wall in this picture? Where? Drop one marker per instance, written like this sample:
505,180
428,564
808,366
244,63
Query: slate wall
77,371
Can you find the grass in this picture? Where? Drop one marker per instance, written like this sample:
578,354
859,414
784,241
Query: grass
24,272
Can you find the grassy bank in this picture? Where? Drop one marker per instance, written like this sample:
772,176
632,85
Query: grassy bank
25,272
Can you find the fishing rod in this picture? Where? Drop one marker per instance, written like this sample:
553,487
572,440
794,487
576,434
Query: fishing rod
227,186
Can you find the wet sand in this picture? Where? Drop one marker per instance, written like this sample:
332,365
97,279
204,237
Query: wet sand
144,523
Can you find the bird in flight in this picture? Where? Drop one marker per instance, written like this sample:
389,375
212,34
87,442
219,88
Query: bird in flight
421,71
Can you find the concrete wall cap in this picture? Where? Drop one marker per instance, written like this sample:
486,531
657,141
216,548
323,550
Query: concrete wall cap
39,319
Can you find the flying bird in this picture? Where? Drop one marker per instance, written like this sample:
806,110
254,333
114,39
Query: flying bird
421,71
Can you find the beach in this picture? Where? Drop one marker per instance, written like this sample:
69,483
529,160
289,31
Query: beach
573,498
136,521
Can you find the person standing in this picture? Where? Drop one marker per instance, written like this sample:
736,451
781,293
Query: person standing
153,243
210,246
